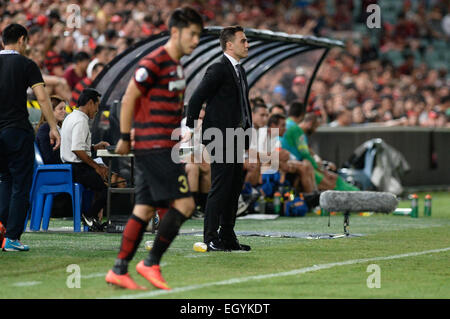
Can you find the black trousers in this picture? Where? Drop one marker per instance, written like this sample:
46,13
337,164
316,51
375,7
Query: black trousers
88,177
16,177
227,180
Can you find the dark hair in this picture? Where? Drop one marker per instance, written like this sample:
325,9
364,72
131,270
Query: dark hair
35,29
297,109
183,17
275,119
99,49
81,56
279,106
256,100
227,34
55,100
87,95
13,32
258,106
98,65
110,34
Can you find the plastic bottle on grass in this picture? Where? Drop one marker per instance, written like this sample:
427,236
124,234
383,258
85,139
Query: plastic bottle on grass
427,207
414,205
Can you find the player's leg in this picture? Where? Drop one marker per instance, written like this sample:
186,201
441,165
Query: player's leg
168,181
168,229
131,239
134,230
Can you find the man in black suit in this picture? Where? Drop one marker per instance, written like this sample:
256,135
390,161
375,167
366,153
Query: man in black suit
224,88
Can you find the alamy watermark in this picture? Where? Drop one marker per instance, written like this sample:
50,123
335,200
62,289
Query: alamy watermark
74,16
374,279
74,279
374,19
262,144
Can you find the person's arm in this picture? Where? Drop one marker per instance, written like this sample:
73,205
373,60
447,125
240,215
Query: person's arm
100,169
46,108
204,91
298,147
126,116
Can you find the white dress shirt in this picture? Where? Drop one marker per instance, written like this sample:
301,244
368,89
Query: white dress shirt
75,136
234,62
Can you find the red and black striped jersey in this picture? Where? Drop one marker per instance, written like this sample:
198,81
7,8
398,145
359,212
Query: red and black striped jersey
52,60
159,109
83,84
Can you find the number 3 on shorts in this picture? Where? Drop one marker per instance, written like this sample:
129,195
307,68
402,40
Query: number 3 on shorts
184,185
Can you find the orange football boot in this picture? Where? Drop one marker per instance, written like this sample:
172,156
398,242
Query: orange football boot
152,274
123,281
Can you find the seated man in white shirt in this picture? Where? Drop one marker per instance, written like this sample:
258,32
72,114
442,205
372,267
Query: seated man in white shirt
76,149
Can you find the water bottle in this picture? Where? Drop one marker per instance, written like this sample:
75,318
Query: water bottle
427,209
277,203
414,205
262,205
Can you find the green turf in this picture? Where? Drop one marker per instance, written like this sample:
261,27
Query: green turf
42,272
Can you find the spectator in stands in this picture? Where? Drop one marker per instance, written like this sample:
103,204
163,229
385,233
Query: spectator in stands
297,90
344,117
358,115
101,55
368,51
76,72
76,149
123,43
277,109
407,67
53,84
85,83
112,52
68,49
53,61
49,155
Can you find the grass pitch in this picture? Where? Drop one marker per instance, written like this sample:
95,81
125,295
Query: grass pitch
414,260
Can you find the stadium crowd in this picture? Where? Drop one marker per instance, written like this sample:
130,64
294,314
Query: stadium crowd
384,76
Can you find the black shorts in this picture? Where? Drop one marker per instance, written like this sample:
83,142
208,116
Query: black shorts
159,180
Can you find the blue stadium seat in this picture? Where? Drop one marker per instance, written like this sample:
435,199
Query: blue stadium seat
48,181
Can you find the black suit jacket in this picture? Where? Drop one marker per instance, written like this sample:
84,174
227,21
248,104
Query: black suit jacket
220,89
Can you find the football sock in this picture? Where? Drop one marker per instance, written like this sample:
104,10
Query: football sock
131,238
168,230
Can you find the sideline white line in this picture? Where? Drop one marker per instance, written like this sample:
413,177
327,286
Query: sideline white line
93,275
280,274
26,283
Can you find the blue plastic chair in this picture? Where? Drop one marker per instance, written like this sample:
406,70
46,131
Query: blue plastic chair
48,181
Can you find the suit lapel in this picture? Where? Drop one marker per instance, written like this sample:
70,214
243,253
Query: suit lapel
232,70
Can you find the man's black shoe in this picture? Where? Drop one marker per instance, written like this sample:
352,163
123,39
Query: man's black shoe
216,245
235,245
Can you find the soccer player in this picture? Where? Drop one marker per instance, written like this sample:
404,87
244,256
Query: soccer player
155,97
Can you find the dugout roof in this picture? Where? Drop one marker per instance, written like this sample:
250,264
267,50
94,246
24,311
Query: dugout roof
268,50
